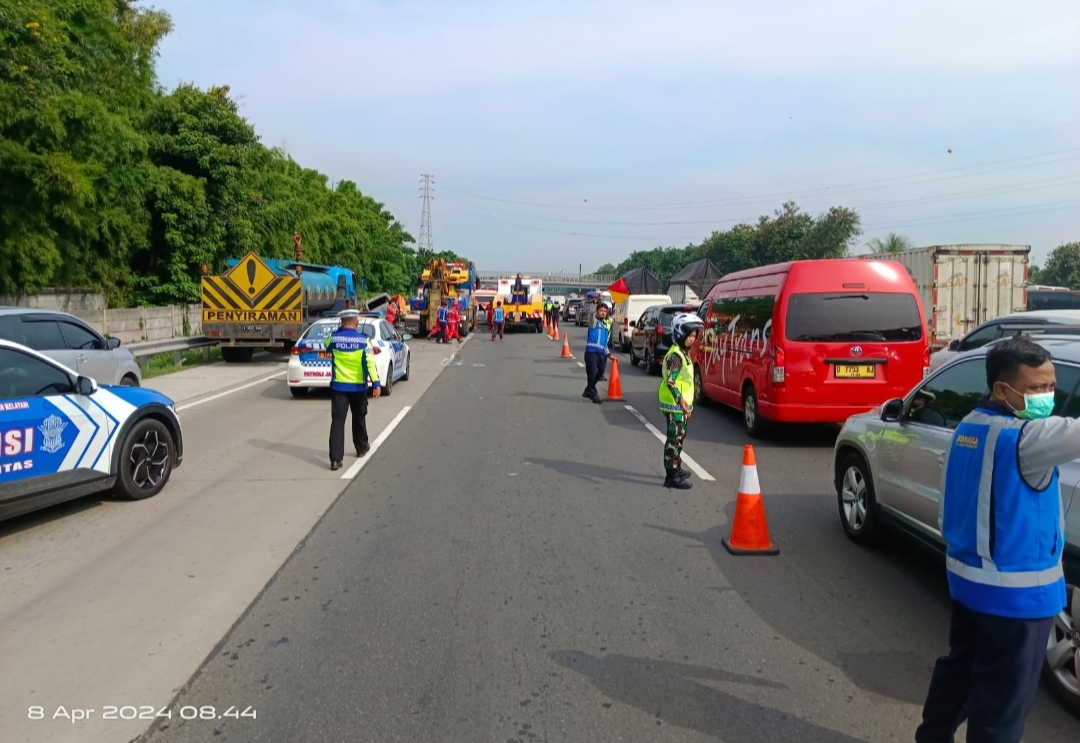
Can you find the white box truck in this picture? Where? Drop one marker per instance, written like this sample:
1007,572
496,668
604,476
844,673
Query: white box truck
961,286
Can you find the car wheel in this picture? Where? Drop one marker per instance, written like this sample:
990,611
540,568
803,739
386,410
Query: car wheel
298,391
146,460
129,380
408,367
756,426
855,499
388,383
633,356
699,392
1062,666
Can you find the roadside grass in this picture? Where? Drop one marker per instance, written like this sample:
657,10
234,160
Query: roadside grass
162,363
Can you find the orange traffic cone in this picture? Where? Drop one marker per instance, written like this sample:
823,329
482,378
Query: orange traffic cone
614,386
566,347
749,531
554,333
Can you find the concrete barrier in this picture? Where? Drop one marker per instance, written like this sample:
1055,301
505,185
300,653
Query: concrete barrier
130,325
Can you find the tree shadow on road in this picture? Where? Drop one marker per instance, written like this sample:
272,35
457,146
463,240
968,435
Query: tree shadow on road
303,453
594,473
672,693
782,595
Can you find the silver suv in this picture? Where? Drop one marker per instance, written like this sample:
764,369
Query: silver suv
67,339
888,470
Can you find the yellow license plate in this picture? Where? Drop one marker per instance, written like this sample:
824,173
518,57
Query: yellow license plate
855,371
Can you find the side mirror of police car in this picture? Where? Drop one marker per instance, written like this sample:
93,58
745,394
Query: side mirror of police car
406,336
85,385
113,343
892,410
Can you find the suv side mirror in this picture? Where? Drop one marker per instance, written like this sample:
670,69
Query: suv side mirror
85,385
892,410
954,346
113,343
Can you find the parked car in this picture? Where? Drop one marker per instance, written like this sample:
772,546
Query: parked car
1000,327
811,341
627,312
569,310
66,437
65,338
652,339
887,476
310,364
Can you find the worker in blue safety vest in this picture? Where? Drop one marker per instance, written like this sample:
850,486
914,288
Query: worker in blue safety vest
444,314
597,343
1002,518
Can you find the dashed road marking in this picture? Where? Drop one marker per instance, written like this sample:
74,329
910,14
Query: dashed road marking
581,365
694,466
358,465
219,395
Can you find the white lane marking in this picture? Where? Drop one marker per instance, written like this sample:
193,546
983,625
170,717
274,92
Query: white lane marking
697,468
220,395
358,465
581,365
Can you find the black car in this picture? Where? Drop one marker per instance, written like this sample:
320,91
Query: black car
652,334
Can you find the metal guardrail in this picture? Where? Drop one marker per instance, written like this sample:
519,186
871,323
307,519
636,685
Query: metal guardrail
176,346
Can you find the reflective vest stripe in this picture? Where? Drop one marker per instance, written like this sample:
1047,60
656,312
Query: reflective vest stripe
989,576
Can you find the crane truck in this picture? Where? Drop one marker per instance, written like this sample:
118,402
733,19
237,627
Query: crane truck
269,303
441,280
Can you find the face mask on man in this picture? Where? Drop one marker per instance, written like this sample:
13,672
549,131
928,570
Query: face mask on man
1037,405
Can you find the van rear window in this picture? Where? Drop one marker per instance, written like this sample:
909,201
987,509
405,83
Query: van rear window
853,317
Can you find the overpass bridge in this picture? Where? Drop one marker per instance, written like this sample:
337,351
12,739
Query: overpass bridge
576,281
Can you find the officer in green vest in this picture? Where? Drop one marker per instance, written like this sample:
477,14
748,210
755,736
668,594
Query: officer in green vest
677,396
547,311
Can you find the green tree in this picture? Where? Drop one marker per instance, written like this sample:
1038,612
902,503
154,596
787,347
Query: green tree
109,183
1062,266
606,270
891,243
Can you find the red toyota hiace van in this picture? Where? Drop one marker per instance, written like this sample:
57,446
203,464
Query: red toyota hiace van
811,341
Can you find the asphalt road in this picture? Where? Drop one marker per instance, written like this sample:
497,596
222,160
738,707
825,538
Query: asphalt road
108,603
509,568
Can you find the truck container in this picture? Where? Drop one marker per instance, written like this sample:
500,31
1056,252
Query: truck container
962,286
268,303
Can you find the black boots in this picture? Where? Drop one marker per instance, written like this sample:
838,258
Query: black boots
676,479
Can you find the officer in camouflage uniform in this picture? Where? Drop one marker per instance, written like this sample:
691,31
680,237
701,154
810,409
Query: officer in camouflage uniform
677,396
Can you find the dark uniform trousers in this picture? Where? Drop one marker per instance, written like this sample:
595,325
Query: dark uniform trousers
595,366
340,405
990,678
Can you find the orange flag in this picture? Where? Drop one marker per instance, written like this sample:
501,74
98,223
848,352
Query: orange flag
619,291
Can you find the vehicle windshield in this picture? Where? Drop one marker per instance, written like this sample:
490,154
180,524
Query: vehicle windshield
321,331
853,317
668,313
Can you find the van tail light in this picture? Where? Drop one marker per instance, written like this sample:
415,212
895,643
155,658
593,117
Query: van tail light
926,360
778,371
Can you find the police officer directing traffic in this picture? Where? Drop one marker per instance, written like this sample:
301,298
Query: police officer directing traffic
354,373
1001,516
677,394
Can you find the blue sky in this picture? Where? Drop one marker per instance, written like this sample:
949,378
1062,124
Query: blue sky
566,133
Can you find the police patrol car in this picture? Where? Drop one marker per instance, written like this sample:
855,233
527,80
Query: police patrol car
62,436
310,362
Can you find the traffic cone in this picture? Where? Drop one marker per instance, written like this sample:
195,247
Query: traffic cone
749,531
614,386
566,347
554,333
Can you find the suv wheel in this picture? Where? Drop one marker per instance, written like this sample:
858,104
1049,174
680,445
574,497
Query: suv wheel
1062,667
855,499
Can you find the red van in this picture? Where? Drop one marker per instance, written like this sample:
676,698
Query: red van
813,341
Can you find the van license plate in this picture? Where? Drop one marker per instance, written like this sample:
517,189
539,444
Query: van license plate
852,371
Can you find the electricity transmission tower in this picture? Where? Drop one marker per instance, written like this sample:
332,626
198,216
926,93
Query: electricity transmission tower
425,241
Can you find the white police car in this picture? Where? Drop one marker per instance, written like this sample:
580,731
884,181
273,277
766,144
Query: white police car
309,363
62,436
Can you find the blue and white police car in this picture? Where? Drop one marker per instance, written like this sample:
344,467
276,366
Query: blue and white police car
310,363
62,436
